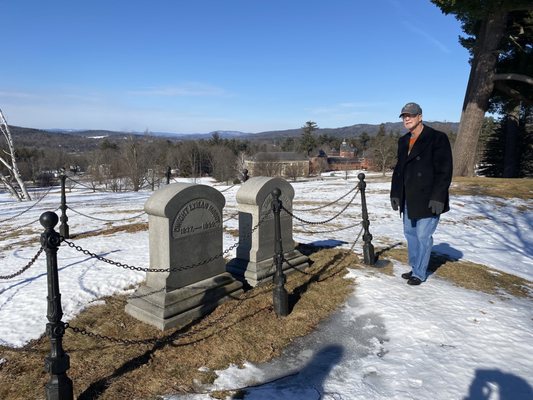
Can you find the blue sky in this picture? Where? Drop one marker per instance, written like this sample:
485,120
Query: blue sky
189,66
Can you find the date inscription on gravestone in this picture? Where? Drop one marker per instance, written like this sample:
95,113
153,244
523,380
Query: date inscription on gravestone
197,216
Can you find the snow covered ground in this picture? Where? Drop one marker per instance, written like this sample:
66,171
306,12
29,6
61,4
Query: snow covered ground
389,341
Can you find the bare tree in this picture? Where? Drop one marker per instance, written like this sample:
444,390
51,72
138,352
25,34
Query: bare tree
240,163
134,162
8,159
222,161
293,171
383,150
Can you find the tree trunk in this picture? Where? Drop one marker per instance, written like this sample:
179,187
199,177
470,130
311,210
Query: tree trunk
11,163
479,90
510,158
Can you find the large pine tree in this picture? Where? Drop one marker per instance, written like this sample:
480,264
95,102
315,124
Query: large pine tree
492,28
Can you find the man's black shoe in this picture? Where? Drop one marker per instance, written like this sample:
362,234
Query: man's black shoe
407,275
414,281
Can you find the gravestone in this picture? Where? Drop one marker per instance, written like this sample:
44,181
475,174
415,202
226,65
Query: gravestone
185,236
254,261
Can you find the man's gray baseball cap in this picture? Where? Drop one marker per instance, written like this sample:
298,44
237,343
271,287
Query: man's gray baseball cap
411,108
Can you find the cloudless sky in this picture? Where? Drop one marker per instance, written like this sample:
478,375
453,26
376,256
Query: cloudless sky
189,66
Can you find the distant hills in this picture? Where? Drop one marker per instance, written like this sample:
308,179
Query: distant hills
356,130
82,140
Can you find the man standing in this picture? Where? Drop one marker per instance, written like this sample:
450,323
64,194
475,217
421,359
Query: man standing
419,187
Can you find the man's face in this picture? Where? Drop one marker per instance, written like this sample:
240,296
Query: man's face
411,121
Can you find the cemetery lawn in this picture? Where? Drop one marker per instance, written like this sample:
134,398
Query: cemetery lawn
243,329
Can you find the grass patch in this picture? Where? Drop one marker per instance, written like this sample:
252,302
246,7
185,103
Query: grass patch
244,329
129,228
470,275
496,187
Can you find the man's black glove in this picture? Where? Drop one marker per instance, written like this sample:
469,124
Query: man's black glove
436,207
395,203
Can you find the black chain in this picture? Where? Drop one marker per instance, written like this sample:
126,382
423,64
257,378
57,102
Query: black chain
95,189
341,260
325,205
321,222
169,339
106,220
222,191
176,336
28,209
329,230
35,257
232,216
171,269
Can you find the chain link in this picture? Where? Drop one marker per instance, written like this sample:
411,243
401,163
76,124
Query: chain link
106,220
176,336
171,269
327,231
342,259
232,216
325,221
325,205
157,340
29,208
35,257
228,188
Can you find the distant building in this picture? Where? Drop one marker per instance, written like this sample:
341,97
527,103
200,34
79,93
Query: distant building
346,158
293,165
347,151
285,164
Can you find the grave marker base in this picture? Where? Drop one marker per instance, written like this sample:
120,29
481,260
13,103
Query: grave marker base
179,307
256,273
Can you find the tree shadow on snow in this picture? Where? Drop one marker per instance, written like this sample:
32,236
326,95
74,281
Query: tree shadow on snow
493,383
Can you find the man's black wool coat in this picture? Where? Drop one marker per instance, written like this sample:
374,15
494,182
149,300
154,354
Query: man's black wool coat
424,174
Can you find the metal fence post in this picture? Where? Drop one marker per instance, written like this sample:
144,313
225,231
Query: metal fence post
279,294
59,386
63,228
368,248
168,174
245,176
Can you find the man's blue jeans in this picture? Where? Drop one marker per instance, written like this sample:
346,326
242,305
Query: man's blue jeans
419,235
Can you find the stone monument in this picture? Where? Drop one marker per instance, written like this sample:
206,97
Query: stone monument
185,236
254,262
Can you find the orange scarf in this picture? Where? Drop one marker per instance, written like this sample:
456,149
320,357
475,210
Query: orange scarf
412,141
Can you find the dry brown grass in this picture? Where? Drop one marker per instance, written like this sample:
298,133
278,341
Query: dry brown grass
244,329
129,228
496,187
470,275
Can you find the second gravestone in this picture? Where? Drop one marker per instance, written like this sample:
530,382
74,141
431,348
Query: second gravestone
254,262
185,235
